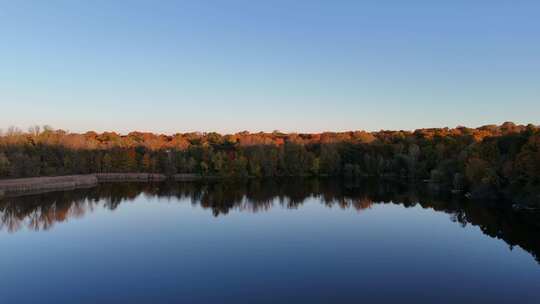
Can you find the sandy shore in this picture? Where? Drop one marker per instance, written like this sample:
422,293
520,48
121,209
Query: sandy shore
56,183
45,184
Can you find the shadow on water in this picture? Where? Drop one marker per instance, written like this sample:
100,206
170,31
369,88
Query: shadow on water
43,211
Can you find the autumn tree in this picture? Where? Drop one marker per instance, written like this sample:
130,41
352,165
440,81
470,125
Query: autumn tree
147,162
4,165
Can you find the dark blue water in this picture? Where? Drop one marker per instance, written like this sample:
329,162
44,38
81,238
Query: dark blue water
292,242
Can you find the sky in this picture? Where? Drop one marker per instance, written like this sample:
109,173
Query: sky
295,66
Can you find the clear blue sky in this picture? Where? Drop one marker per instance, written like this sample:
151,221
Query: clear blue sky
176,66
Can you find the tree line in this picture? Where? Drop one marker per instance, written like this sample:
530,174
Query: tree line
486,161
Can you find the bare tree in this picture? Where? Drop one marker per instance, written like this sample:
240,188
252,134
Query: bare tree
13,131
35,130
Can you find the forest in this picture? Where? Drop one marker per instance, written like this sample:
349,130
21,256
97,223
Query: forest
489,162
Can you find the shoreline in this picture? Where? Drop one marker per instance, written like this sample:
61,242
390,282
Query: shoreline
43,184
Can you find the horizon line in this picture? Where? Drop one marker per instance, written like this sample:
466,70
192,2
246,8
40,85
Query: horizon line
16,129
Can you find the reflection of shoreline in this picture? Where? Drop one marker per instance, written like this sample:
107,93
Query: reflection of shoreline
41,212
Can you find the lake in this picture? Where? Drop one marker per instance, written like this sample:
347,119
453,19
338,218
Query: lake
257,241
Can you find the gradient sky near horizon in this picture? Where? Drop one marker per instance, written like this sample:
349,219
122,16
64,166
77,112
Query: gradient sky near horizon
303,65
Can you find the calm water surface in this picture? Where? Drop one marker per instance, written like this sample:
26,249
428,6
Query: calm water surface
293,241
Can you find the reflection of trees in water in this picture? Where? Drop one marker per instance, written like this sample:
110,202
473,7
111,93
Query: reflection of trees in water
41,212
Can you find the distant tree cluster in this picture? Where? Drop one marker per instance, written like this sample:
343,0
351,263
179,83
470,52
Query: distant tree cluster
489,160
